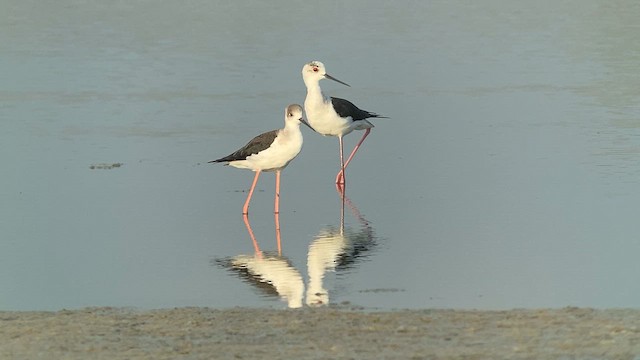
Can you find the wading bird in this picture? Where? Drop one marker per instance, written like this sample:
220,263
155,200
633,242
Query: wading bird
331,116
270,151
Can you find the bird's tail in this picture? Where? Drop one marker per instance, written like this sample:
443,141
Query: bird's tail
374,115
219,161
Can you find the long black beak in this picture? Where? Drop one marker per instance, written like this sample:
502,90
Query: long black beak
336,80
302,120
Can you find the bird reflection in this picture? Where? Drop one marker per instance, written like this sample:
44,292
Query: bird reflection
335,249
272,273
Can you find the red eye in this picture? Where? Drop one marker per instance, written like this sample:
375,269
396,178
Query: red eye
315,69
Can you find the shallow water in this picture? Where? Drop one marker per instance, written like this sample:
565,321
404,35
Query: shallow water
507,175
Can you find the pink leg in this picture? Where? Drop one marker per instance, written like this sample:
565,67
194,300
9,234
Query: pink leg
277,201
245,209
340,177
276,212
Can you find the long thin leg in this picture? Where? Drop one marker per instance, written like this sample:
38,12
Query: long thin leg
340,177
277,201
276,213
245,209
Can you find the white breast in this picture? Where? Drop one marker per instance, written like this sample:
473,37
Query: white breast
323,118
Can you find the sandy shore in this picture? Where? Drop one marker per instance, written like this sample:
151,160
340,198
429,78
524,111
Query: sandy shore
327,333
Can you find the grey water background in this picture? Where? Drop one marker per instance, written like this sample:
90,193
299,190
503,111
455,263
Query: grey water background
508,174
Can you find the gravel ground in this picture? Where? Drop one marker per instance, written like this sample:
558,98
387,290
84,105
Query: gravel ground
325,333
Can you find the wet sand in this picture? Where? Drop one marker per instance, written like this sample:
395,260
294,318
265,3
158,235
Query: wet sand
326,333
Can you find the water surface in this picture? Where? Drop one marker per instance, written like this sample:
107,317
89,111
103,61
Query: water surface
507,175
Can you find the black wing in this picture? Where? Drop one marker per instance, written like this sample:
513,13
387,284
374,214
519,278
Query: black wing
346,108
254,146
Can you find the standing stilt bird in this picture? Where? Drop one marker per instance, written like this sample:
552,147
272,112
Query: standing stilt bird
270,151
332,116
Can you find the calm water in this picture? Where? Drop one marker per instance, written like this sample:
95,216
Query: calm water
508,174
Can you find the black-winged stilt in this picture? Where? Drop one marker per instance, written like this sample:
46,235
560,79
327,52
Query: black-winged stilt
270,151
332,116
